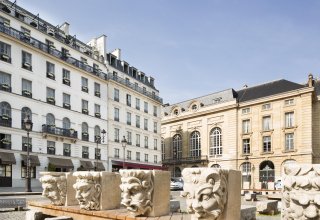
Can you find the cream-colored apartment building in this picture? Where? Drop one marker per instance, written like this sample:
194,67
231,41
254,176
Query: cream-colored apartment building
256,130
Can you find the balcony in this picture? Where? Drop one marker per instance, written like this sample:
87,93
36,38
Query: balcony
25,146
26,93
5,121
97,115
25,65
85,136
5,87
84,89
5,144
59,132
51,100
66,105
97,93
5,58
185,160
66,81
51,75
85,111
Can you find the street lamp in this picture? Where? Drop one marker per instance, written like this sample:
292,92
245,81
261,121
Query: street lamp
28,127
98,140
124,144
247,169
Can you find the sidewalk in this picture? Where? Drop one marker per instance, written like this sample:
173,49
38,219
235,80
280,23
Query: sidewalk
11,191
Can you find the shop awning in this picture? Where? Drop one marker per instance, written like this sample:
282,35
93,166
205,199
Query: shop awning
138,165
34,160
61,163
87,165
100,166
7,158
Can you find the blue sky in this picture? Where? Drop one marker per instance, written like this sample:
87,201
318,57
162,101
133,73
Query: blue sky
194,48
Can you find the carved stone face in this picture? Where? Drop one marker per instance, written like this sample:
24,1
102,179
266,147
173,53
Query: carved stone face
50,190
54,188
88,195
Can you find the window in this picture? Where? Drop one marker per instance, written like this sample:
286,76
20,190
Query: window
85,152
246,126
129,137
84,60
25,144
66,101
97,136
96,69
5,52
266,144
155,111
5,82
66,77
97,153
266,106
289,102
5,114
128,118
155,127
155,144
97,89
266,123
137,104
50,70
85,131
66,124
137,121
163,152
65,53
50,120
26,32
25,113
245,110
246,146
4,21
116,114
33,170
195,144
146,142
129,154
116,134
84,106
194,107
5,170
116,153
155,158
138,156
128,100
26,60
116,95
51,96
289,119
289,141
66,150
146,107
146,156
51,147
215,142
84,84
177,146
5,141
127,81
145,124
97,111
26,88
176,112
138,140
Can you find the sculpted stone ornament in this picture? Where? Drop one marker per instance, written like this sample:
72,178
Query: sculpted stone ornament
88,189
205,190
301,192
54,186
137,188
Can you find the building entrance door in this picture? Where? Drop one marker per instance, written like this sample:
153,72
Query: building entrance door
5,175
266,173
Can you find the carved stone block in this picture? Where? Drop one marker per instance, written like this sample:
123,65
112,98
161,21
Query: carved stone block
71,192
212,193
248,212
54,186
267,207
145,192
301,191
110,190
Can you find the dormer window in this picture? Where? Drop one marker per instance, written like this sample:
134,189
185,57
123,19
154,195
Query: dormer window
125,68
194,107
176,112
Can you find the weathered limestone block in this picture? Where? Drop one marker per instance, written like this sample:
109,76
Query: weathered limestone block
250,197
34,215
248,212
110,190
88,189
246,185
146,192
267,207
71,192
54,186
59,218
174,205
212,193
301,191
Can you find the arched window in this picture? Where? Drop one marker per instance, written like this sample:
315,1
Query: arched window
177,146
50,120
163,151
5,110
215,142
266,173
84,127
195,146
97,132
25,113
66,124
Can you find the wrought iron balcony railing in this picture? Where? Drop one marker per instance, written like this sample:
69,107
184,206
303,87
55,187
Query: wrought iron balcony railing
5,121
185,160
49,129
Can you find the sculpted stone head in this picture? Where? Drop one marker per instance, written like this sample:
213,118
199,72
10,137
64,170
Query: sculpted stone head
205,190
88,189
137,187
54,186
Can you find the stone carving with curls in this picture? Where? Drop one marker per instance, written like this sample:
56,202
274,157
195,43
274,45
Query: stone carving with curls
54,186
301,192
137,188
88,189
205,190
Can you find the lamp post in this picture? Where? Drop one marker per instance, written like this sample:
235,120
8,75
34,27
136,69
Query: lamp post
98,140
28,127
124,144
247,169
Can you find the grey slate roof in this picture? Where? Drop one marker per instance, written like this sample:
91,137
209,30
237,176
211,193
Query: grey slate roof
317,87
267,89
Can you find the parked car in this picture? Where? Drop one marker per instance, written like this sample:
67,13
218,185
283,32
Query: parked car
278,185
176,184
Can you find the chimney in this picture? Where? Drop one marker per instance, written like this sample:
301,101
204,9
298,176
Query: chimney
310,80
117,53
65,28
245,86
